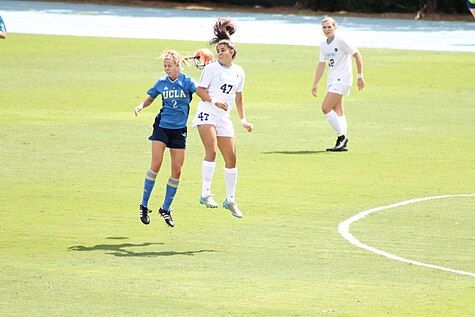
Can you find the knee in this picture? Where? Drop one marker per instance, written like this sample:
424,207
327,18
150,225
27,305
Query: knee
210,155
176,173
230,162
155,167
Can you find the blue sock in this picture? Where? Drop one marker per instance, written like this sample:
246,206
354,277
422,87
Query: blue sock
148,187
172,187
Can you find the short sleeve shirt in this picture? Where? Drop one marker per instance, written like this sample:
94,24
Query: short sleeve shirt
223,82
176,98
337,54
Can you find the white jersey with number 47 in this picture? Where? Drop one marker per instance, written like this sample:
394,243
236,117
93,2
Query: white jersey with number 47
221,83
337,54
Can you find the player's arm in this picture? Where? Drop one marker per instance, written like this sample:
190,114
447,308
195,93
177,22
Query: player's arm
203,94
144,104
242,112
359,66
318,76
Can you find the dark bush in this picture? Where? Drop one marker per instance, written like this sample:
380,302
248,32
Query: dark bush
362,6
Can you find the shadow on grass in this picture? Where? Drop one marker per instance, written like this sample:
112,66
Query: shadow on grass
295,152
122,249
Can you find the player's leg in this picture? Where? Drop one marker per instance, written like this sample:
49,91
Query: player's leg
331,104
208,138
340,111
158,149
328,105
177,145
177,160
227,147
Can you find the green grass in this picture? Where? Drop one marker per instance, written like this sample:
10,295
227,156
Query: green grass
73,159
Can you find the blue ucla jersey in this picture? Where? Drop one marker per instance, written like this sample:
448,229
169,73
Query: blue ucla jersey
2,25
176,98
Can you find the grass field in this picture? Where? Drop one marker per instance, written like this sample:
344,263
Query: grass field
73,159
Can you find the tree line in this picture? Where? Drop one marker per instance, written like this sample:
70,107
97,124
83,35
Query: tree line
360,6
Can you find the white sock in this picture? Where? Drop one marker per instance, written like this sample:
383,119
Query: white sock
207,171
230,178
343,124
332,118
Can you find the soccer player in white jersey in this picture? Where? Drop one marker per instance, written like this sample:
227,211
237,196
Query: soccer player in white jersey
169,130
220,89
336,53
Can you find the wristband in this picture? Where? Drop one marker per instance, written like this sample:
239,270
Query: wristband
213,102
360,76
243,121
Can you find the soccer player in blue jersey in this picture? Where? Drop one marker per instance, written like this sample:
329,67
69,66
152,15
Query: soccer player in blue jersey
3,29
220,88
336,52
169,130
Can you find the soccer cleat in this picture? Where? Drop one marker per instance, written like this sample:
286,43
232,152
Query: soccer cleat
144,211
233,208
208,201
167,216
341,144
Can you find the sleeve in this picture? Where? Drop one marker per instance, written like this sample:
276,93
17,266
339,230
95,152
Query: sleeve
322,55
193,85
349,48
154,91
206,76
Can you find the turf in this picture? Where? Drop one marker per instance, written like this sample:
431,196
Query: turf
74,157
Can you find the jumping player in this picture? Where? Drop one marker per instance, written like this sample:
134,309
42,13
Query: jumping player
169,130
220,88
337,53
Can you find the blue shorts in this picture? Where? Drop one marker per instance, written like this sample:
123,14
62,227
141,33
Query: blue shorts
173,138
470,4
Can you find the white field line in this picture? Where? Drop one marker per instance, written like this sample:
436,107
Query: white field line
344,230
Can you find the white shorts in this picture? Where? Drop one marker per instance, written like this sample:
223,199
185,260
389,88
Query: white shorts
338,88
223,124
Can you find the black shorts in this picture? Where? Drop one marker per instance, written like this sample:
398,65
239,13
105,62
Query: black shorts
173,138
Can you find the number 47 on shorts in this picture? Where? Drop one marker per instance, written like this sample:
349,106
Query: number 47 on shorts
203,116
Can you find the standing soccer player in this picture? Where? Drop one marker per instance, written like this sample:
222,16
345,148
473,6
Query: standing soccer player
3,29
336,53
220,88
169,130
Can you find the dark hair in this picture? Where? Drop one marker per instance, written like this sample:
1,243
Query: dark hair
223,29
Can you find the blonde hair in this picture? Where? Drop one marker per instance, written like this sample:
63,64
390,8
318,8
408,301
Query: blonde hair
174,57
327,18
